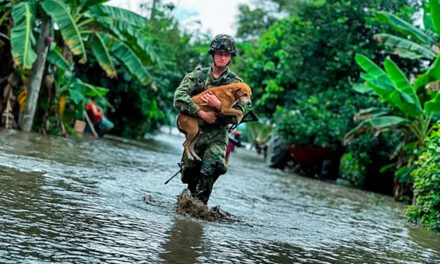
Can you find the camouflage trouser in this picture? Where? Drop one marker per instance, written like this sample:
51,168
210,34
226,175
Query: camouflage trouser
201,176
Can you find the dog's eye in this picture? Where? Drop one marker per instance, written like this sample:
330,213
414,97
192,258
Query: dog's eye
245,94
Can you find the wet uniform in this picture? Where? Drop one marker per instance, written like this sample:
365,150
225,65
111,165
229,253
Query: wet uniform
211,145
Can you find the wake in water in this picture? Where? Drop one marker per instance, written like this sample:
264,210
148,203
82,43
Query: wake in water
190,206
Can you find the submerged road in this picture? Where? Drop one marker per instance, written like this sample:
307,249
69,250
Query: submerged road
104,201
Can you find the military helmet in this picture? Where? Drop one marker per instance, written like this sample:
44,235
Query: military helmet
223,42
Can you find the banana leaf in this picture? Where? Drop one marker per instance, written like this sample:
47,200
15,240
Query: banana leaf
147,53
89,3
118,14
431,75
380,82
69,30
127,58
406,48
434,5
376,111
408,54
405,27
379,122
362,88
131,35
404,173
5,11
102,54
5,5
386,121
410,102
374,73
391,86
432,107
22,39
80,91
56,58
427,19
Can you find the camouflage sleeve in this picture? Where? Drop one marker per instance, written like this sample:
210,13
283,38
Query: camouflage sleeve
182,96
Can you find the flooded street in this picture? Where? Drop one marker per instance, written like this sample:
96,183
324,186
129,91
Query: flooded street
104,201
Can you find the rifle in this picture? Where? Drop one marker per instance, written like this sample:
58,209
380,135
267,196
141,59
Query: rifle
175,174
249,116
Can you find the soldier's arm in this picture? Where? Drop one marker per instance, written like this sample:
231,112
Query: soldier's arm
182,96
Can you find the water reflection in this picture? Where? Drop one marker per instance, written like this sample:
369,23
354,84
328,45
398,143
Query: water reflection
184,242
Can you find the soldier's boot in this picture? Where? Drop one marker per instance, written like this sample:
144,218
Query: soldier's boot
192,187
204,188
190,176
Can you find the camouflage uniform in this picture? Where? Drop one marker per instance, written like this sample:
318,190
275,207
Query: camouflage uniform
211,145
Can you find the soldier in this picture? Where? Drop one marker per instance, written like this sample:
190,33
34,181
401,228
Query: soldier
211,145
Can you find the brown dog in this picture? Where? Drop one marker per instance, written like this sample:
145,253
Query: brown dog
228,96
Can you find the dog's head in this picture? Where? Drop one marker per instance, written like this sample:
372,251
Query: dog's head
242,93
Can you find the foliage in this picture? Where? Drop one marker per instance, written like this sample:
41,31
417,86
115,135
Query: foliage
414,108
353,169
412,111
393,88
253,23
427,185
137,110
313,121
320,120
308,57
81,26
84,31
414,43
367,156
256,132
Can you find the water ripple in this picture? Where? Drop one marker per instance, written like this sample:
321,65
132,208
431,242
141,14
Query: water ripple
94,201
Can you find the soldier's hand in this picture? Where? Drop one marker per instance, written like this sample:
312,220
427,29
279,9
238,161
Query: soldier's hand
208,117
212,100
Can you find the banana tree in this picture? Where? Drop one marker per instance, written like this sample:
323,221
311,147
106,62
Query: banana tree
86,27
415,43
414,111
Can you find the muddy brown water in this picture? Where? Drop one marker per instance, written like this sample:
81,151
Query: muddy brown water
66,200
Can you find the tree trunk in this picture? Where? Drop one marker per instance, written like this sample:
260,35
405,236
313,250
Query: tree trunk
36,77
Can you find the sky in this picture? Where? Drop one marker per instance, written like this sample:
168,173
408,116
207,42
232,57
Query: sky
216,16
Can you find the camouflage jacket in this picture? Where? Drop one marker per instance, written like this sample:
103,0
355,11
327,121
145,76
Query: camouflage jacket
194,83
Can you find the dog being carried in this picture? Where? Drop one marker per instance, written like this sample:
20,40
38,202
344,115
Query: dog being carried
228,95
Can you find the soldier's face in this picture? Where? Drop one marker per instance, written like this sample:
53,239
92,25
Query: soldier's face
222,58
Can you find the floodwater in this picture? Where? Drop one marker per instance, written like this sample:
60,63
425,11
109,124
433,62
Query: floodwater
67,200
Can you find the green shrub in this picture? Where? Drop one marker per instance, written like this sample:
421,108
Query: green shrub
352,170
426,206
319,120
365,156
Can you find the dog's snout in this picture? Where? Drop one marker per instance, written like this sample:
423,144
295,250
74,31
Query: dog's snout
249,103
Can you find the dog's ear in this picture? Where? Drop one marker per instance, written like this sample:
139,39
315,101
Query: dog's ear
235,89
